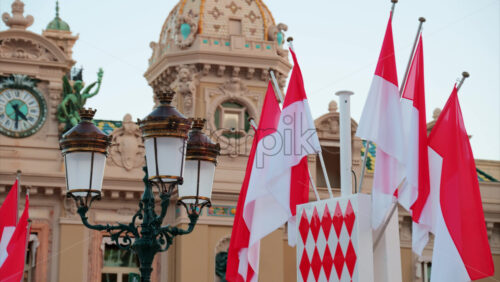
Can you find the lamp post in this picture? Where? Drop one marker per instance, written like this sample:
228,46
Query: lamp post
177,159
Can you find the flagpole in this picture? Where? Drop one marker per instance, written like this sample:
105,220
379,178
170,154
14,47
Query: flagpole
18,179
368,142
464,76
27,235
252,123
320,154
386,223
276,87
277,90
393,6
405,77
401,89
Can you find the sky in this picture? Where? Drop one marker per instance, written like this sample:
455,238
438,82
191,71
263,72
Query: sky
337,44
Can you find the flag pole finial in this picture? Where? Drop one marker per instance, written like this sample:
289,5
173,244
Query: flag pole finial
405,77
464,76
251,120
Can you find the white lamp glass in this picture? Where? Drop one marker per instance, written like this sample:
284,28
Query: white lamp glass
192,179
82,174
170,154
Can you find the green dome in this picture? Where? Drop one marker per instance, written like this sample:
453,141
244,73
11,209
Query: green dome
57,23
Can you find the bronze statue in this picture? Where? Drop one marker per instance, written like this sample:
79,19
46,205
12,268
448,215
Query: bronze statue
74,99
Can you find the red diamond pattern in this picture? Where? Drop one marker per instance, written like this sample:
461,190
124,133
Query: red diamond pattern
327,262
338,260
304,266
304,226
338,219
326,222
316,263
350,258
315,224
349,218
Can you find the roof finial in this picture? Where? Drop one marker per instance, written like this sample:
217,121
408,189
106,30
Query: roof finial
17,20
57,9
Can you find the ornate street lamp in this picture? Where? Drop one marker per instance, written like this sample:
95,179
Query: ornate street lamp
201,159
171,160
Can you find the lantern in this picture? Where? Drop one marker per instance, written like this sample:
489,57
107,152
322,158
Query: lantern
165,132
201,159
84,148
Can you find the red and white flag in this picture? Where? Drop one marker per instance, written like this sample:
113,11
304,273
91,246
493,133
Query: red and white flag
13,267
381,123
8,218
415,190
279,177
238,268
461,249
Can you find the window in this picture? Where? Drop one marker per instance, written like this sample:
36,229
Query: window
232,119
331,155
423,271
118,265
30,263
234,27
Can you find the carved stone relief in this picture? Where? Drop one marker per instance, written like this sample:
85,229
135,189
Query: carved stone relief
127,149
24,49
185,87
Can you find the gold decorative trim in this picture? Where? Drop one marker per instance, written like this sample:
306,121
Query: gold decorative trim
200,20
259,4
269,12
182,6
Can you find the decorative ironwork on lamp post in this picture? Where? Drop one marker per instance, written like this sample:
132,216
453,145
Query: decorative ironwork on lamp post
178,159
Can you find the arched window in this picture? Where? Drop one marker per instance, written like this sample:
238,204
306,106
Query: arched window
232,118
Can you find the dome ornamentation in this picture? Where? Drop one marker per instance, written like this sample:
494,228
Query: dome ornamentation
57,23
186,28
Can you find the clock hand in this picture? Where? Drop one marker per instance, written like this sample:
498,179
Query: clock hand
17,116
18,112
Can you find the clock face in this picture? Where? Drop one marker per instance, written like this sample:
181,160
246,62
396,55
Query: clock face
22,112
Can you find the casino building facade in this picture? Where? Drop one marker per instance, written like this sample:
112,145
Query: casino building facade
216,55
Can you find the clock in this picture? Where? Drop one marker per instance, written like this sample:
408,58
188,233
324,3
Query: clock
22,108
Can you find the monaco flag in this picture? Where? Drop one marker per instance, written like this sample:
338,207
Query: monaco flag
8,218
238,268
461,249
13,266
381,123
415,190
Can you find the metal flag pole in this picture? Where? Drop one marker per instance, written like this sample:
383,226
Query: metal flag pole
368,142
464,76
28,227
395,204
405,77
401,89
280,100
393,6
276,87
252,123
320,154
18,179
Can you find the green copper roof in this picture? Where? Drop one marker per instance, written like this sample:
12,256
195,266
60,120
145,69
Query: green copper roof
57,23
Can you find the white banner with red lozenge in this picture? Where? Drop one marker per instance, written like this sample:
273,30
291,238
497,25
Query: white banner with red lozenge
335,240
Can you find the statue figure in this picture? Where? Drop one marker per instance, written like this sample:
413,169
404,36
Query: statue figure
185,86
127,149
73,99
